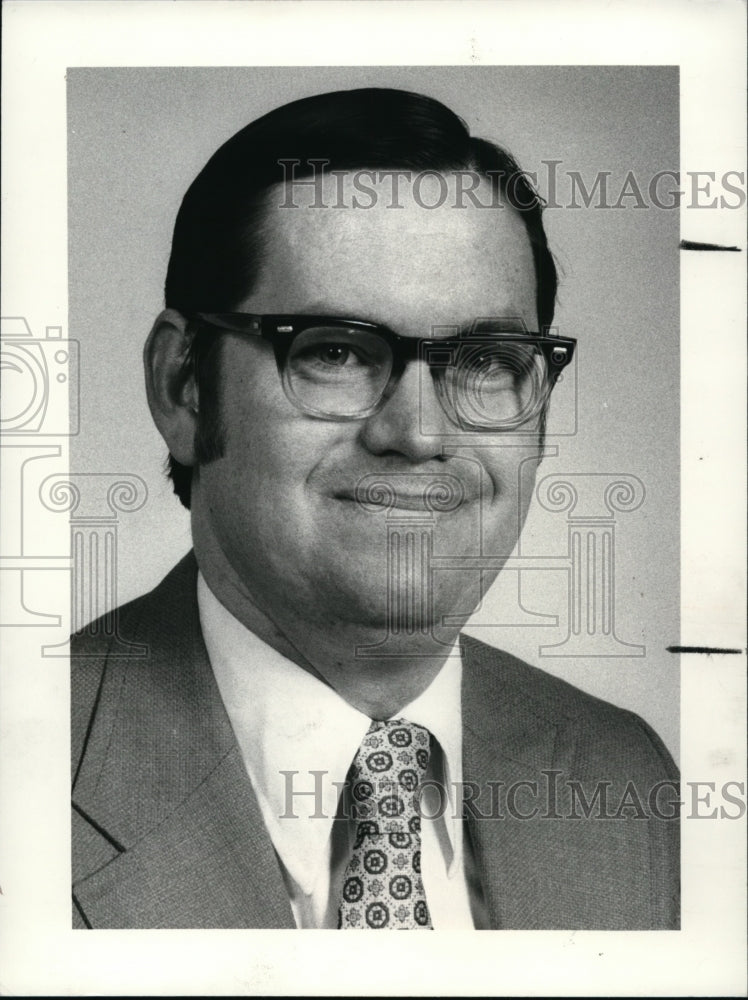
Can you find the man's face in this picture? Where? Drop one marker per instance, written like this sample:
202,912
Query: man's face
282,501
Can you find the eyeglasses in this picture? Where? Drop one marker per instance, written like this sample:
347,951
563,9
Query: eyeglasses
493,377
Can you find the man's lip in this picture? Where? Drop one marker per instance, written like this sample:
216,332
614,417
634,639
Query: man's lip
438,494
402,501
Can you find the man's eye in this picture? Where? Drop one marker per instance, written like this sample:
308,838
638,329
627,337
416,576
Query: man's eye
491,362
503,366
334,354
492,366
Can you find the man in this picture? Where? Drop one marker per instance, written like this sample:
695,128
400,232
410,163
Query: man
351,375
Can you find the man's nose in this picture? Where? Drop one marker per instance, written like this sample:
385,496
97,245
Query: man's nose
411,406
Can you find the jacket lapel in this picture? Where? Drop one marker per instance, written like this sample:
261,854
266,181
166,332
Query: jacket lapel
507,740
162,778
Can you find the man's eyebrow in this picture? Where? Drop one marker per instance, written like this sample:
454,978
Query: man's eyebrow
333,312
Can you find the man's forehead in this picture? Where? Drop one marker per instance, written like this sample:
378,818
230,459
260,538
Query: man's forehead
460,204
351,240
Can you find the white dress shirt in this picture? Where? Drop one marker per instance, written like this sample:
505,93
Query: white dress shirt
297,735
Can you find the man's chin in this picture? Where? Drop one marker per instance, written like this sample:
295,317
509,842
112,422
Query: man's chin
383,605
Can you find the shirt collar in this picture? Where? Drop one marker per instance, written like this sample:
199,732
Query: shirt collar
298,737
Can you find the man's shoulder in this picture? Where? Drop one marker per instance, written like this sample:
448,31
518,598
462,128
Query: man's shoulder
514,677
603,731
129,632
123,623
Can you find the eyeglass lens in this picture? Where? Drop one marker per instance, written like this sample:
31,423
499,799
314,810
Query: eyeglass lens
335,371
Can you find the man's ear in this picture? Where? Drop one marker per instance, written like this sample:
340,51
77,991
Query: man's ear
170,385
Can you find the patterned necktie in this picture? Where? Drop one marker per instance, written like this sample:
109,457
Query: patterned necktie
382,886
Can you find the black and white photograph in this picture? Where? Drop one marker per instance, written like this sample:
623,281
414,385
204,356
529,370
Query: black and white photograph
355,374
361,462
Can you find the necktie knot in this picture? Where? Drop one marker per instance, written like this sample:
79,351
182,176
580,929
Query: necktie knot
382,885
386,774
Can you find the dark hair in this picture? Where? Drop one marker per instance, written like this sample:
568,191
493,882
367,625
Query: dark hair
217,247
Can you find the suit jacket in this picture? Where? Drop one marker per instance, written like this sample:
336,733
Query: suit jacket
167,831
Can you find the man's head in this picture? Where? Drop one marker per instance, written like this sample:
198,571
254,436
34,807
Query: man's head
223,229
274,486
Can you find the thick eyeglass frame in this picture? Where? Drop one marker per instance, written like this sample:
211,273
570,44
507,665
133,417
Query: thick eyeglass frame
281,329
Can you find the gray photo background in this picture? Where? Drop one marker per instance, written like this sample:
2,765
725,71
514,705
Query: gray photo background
137,137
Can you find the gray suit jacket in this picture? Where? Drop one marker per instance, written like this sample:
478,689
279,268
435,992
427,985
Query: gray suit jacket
167,831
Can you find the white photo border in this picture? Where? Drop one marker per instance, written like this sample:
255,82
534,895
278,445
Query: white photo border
41,954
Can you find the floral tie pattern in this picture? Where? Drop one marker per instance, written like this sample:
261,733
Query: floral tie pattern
382,885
